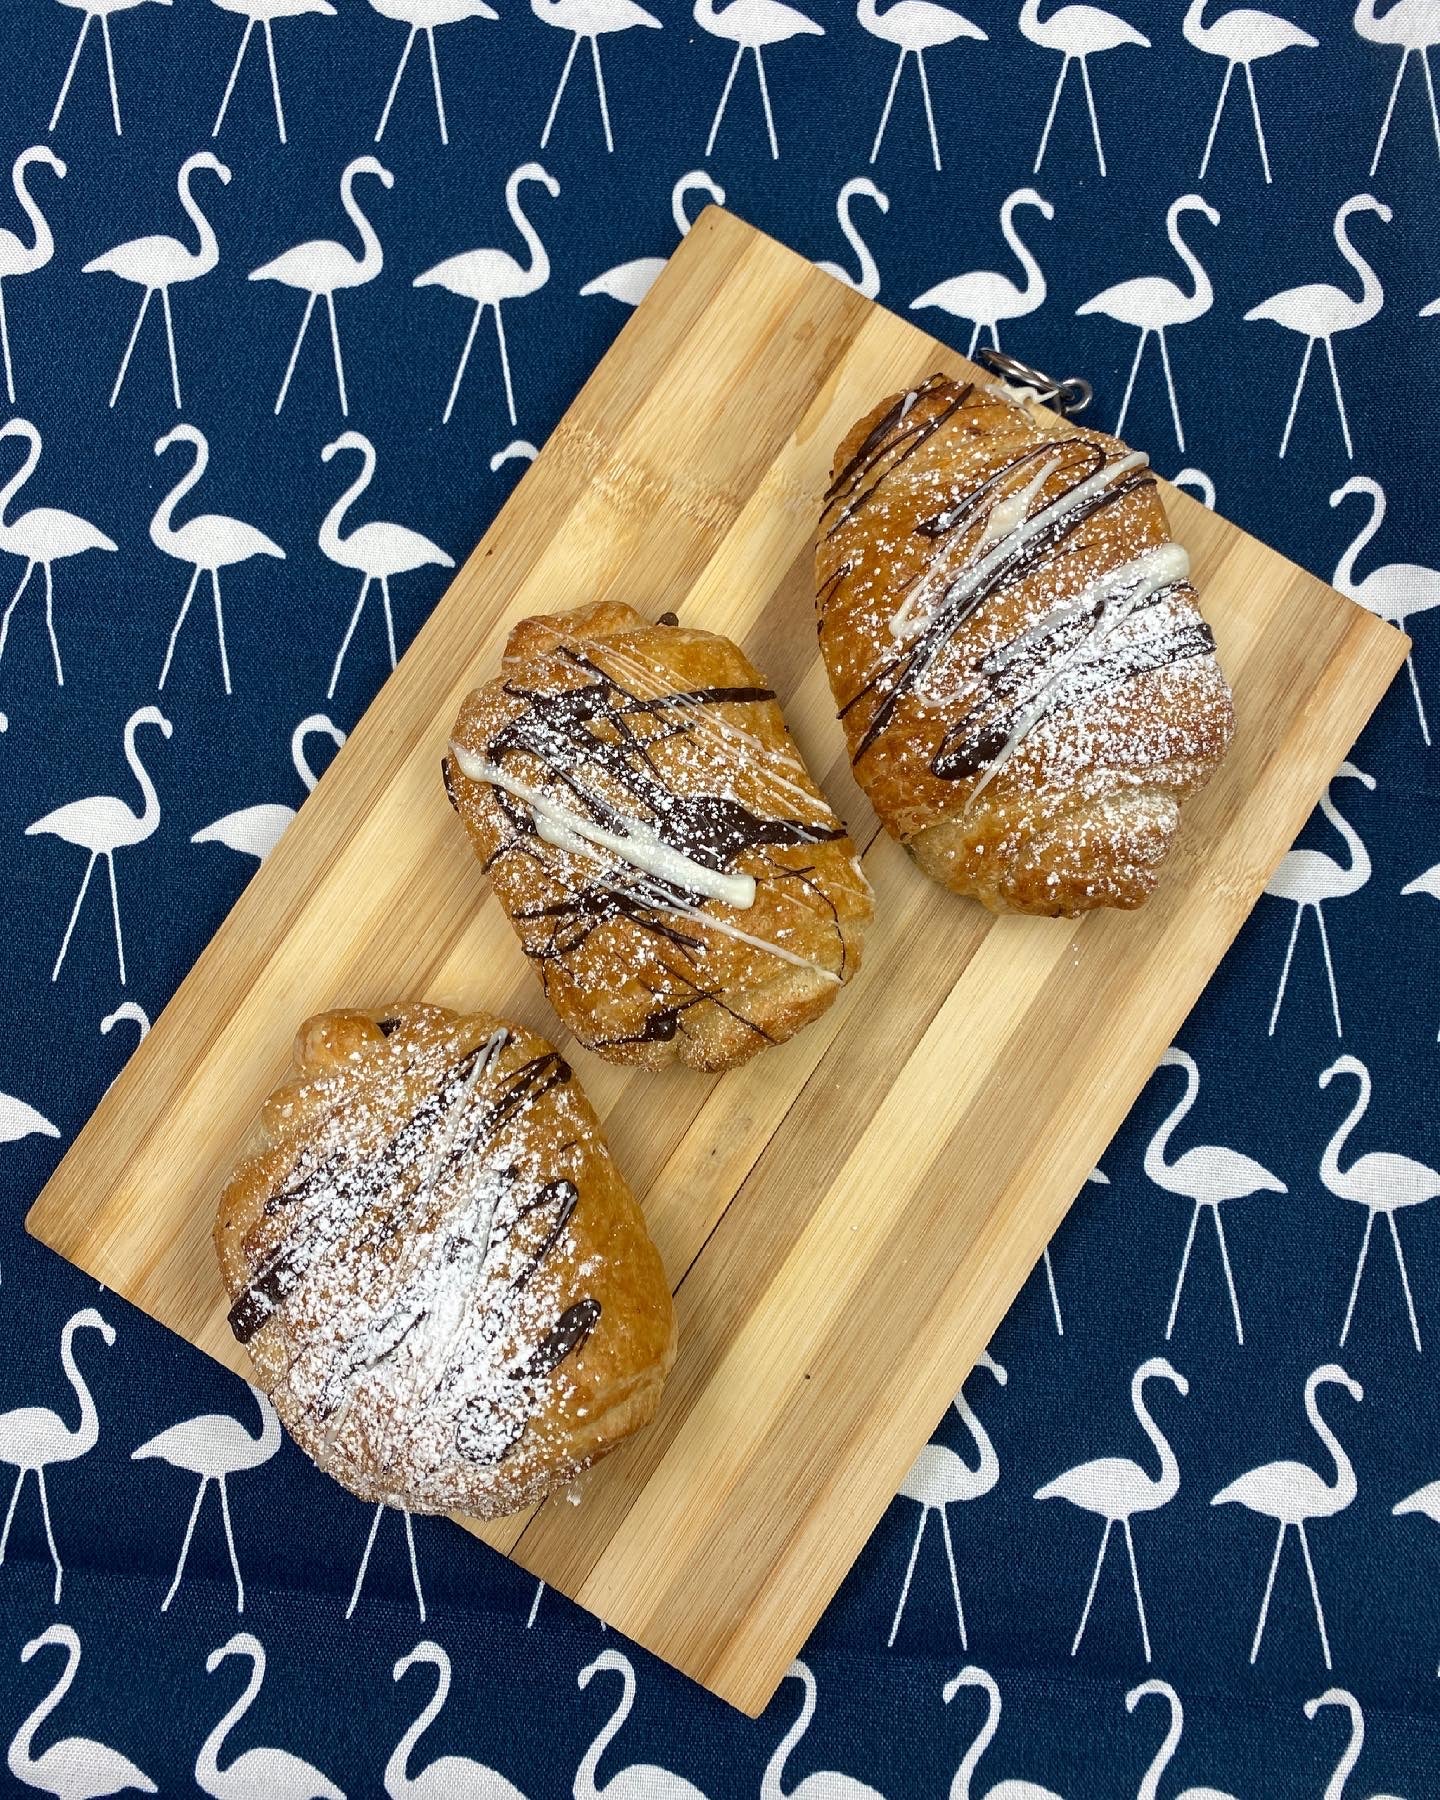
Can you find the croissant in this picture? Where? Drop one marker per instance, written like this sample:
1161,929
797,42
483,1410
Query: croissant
675,876
442,1279
1027,687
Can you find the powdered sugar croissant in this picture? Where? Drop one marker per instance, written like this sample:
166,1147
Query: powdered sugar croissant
441,1276
1027,686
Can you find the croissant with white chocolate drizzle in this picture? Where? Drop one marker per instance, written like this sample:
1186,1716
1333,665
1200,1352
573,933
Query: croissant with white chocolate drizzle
674,875
443,1281
1027,686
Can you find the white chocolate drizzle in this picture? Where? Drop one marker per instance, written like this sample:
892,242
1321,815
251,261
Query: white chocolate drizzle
919,607
1129,584
637,844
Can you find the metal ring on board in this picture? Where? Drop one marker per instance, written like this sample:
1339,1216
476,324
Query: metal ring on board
1071,396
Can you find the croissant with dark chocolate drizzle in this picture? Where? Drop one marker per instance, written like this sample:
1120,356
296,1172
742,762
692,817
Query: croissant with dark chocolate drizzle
1026,683
675,876
443,1281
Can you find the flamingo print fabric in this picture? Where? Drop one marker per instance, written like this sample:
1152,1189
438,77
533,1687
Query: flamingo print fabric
289,292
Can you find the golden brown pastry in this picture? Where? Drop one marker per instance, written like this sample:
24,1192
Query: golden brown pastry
441,1276
677,878
1027,687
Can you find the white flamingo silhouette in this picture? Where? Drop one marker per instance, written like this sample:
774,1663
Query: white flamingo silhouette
913,27
256,830
1393,591
19,1121
535,1608
1428,883
210,541
1310,878
426,16
868,281
377,549
1208,1174
157,263
365,1564
1101,1179
1425,1502
1155,303
1380,1181
322,266
588,20
641,1781
752,25
970,1676
1319,310
630,282
1149,1788
1292,1493
1243,37
1054,1292
16,256
129,1011
274,1773
1078,33
1199,483
938,1478
264,13
1414,29
1116,1488
985,297
823,1784
1339,1697
33,1437
487,277
72,1768
102,825
448,1777
104,11
43,535
213,1446
518,450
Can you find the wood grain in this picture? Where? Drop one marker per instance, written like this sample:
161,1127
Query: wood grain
846,1220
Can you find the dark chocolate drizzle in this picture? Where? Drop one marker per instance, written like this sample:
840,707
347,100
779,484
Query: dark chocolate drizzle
593,724
600,724
564,1196
903,673
567,1335
971,744
475,1434
483,1434
521,1088
1002,686
265,1293
890,433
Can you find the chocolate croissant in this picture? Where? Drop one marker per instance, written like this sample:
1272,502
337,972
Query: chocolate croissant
675,876
1027,686
444,1283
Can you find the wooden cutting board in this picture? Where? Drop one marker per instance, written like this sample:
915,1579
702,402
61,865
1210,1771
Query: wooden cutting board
846,1220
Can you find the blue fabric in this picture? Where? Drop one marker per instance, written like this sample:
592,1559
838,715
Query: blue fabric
1023,1565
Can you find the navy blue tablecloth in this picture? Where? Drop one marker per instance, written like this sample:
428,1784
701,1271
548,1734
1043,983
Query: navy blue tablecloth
131,1420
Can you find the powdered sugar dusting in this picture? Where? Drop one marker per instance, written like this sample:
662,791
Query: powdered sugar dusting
656,839
412,1258
1001,615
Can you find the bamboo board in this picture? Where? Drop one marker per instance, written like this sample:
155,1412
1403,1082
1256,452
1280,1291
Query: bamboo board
835,1277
